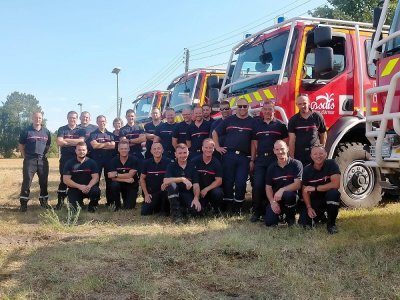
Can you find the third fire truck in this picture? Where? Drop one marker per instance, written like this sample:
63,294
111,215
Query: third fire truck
328,61
144,103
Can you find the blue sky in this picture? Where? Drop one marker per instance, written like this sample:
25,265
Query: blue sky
63,52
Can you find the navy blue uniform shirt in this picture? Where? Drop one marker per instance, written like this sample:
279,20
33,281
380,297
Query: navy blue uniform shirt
164,132
268,134
151,129
180,132
81,173
130,133
238,133
278,177
207,172
306,131
101,137
197,134
68,133
36,142
189,172
88,130
314,177
131,164
155,173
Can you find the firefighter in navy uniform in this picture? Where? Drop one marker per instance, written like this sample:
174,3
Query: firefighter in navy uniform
182,184
34,143
151,181
267,133
134,134
198,131
164,132
209,171
306,129
207,113
150,129
226,111
321,181
122,172
103,145
180,130
68,137
239,133
87,128
283,181
81,176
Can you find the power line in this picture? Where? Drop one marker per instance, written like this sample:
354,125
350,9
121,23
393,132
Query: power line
165,69
227,45
162,75
212,55
194,48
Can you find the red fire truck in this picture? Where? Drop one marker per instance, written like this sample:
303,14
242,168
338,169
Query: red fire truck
144,103
383,127
195,87
328,61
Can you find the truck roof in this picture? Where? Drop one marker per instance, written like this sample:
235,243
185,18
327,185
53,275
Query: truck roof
191,73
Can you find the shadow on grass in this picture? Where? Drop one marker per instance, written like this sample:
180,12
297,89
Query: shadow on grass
237,260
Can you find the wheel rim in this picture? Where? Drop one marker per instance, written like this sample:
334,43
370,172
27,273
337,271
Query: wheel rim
358,180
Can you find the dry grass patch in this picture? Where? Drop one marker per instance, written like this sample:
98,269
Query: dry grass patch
124,256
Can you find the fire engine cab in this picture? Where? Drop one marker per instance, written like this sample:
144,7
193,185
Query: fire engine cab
327,60
195,87
144,103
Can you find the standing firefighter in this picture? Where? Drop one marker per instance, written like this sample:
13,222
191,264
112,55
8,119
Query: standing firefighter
34,142
239,132
68,137
306,129
262,150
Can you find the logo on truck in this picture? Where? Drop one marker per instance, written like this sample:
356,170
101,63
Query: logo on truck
324,103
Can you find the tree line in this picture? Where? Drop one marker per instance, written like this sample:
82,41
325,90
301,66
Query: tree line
15,115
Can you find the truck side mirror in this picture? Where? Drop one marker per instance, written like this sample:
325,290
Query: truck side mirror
323,60
213,81
213,94
322,36
379,49
376,16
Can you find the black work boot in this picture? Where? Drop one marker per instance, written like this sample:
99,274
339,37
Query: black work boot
24,205
44,202
60,202
332,229
237,208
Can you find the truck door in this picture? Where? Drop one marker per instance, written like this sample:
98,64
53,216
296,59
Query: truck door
331,93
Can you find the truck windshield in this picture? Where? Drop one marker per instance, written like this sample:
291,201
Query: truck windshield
266,56
393,46
144,106
182,93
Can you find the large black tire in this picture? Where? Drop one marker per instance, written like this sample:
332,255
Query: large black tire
359,184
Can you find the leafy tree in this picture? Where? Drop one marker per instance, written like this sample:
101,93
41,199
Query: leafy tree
352,10
15,114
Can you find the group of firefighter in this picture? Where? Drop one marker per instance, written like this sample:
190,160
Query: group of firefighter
199,166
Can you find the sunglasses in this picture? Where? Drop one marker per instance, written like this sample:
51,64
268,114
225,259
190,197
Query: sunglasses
242,106
226,108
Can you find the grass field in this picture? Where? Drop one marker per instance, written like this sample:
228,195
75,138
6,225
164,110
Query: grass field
125,256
